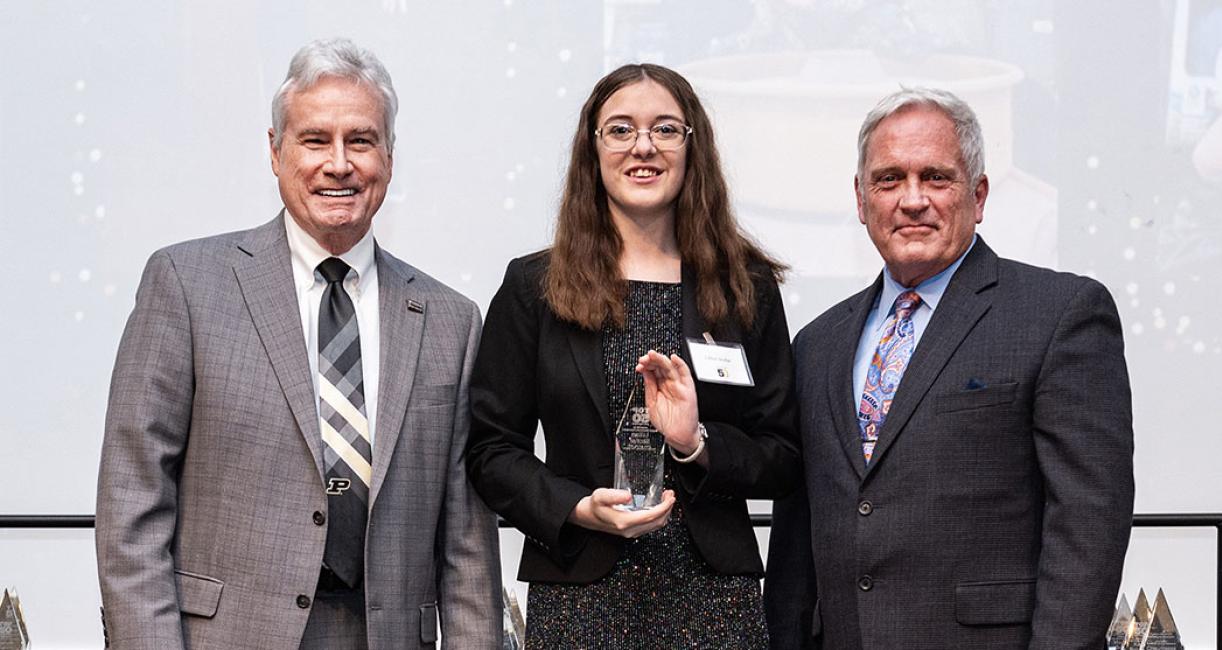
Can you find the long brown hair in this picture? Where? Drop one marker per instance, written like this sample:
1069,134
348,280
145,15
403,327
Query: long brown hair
583,283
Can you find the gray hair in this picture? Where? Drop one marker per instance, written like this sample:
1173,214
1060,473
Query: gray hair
338,57
967,128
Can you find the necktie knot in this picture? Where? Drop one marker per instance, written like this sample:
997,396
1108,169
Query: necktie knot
333,270
906,303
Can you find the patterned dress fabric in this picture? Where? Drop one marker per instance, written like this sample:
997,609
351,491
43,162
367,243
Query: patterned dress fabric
886,369
661,595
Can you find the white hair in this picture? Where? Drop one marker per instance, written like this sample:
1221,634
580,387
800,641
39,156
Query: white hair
967,128
338,57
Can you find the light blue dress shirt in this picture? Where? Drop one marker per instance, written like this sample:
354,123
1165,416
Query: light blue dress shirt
930,292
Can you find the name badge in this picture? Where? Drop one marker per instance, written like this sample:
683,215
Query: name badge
720,363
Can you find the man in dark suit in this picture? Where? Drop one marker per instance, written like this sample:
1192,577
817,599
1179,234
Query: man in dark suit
966,424
282,465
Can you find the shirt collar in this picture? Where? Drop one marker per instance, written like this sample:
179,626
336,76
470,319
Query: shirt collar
307,254
930,290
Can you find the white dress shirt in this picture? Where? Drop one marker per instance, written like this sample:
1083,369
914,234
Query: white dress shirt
362,287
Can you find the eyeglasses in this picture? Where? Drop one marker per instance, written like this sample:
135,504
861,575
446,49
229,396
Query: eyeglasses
666,136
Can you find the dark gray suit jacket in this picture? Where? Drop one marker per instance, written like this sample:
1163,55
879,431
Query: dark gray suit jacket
996,510
211,481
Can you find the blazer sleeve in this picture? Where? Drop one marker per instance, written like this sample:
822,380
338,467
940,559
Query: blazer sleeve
755,455
505,418
468,548
1083,435
147,421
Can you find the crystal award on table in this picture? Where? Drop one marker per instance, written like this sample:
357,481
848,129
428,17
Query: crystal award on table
1141,621
1122,620
1161,633
640,455
13,635
1144,627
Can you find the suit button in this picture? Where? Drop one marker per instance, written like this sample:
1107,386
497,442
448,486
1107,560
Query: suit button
865,508
865,583
319,518
303,601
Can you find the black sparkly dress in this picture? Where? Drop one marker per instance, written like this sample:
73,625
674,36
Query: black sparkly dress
661,595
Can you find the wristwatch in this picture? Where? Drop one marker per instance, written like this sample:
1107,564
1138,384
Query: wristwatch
704,436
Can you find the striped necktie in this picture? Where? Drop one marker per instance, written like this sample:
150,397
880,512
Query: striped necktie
345,431
886,369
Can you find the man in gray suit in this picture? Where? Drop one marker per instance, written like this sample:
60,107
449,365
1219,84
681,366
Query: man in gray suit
282,461
966,424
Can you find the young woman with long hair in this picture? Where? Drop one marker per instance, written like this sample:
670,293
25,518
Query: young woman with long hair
647,255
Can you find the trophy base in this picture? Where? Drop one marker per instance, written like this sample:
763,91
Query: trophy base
639,502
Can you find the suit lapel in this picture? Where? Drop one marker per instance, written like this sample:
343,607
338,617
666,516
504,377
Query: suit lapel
586,347
401,333
694,324
265,275
960,308
841,391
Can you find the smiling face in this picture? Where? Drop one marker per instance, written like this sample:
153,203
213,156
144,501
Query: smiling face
914,194
333,163
641,182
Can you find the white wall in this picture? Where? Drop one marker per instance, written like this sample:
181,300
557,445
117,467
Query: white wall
126,126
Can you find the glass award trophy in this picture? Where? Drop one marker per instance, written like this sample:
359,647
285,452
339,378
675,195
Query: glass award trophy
1161,633
1144,627
1122,621
1141,621
513,623
640,455
13,635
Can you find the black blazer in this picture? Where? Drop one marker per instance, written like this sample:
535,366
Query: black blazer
533,368
995,511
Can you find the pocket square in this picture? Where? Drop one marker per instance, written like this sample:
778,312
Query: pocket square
975,384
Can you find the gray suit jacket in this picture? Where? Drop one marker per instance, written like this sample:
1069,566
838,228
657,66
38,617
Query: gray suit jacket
996,510
212,475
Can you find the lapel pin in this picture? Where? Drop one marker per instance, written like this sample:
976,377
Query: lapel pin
417,307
